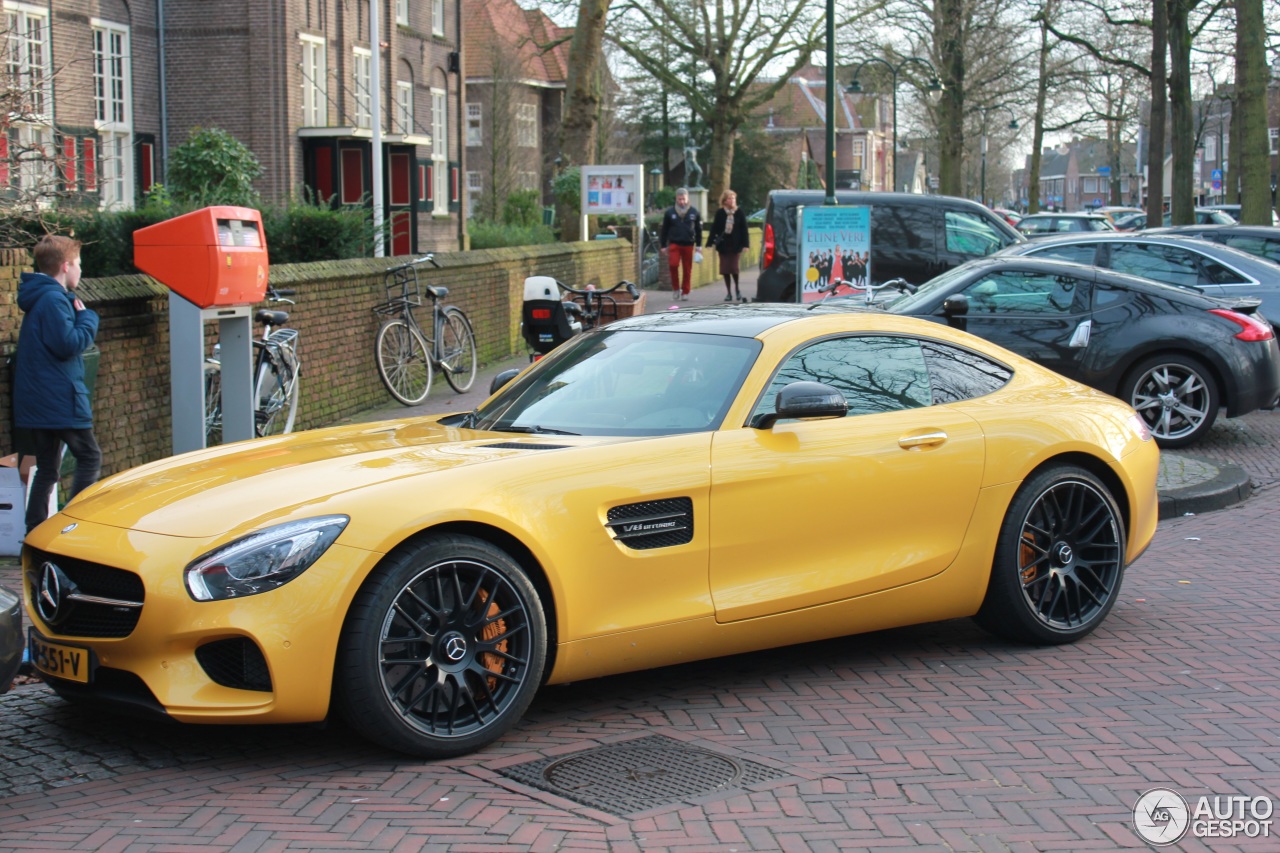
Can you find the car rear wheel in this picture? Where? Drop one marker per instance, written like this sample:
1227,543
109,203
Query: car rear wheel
1059,560
443,649
1176,396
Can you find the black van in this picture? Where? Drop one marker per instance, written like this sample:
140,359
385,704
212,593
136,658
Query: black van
915,237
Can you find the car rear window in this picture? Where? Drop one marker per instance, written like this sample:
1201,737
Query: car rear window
969,235
1260,246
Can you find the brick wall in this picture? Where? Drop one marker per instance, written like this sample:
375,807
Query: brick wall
336,328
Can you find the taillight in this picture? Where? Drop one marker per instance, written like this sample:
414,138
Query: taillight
1251,328
542,313
767,257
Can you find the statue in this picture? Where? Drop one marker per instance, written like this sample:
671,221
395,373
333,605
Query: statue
692,171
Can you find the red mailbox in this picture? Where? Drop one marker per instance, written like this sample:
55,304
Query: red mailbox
212,256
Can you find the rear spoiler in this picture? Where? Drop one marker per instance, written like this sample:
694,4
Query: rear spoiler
1241,304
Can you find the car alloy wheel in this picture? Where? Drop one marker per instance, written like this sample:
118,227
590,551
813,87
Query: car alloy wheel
1175,396
1059,560
443,650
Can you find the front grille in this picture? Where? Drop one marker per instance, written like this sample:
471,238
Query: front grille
652,524
237,662
88,618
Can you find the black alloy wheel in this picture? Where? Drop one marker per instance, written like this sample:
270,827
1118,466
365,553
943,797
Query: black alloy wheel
443,649
1059,560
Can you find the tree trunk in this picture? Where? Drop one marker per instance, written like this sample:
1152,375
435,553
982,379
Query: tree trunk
1183,127
948,21
1037,130
582,99
1251,105
1159,106
721,166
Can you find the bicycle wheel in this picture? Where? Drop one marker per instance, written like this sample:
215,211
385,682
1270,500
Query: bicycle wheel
403,362
649,271
276,399
457,350
212,404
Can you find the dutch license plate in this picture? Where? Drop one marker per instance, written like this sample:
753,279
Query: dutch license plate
67,662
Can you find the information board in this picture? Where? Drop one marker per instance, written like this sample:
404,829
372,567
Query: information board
835,245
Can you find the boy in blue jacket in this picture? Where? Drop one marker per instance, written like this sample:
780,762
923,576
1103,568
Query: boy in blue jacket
50,397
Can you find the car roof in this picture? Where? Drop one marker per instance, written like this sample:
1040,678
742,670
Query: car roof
1215,228
789,197
1072,215
1053,266
1224,254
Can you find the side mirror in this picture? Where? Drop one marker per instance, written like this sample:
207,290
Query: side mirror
502,379
804,400
956,307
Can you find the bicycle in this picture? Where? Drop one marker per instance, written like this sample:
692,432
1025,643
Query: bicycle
275,371
407,356
650,257
840,288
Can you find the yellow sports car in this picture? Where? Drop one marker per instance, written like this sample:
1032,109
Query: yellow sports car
673,487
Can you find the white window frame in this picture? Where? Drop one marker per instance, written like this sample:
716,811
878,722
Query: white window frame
475,125
437,17
475,186
440,152
1211,150
29,60
528,180
1274,134
527,125
404,106
113,113
315,81
362,72
402,12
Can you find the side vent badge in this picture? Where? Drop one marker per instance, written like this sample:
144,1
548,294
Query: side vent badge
652,524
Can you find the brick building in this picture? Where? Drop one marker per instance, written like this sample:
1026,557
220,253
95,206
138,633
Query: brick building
117,83
517,63
83,100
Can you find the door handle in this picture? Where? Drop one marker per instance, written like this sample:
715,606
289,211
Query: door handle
922,440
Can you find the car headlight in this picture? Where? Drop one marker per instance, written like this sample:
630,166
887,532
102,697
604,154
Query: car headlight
262,561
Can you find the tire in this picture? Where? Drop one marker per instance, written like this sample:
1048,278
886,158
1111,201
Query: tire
1059,560
403,363
212,404
457,350
1175,395
275,400
446,595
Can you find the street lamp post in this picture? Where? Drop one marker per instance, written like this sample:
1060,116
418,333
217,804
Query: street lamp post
982,147
855,88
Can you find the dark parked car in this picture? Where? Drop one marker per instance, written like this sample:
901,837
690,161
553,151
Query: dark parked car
1233,210
1040,224
914,237
1260,240
1174,355
11,639
1211,268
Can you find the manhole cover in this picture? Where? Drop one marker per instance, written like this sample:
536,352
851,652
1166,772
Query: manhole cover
639,774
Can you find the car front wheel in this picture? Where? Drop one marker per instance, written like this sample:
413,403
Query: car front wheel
1176,397
1059,560
443,649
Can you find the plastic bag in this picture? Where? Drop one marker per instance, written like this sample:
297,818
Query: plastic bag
697,256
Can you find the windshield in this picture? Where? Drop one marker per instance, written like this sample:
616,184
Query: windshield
907,303
625,383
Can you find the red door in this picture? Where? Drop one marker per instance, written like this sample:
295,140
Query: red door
400,200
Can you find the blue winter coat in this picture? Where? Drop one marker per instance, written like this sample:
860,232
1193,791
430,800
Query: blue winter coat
48,385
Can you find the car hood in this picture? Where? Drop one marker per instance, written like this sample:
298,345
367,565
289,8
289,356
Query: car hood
209,492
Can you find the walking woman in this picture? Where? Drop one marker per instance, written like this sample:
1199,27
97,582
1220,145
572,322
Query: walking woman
729,238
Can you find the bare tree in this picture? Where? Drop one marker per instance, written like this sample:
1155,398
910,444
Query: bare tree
1251,110
734,46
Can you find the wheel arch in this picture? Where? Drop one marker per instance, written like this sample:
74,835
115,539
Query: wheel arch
1227,391
1099,469
518,552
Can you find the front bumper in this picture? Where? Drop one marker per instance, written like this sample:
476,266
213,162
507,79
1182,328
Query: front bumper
165,664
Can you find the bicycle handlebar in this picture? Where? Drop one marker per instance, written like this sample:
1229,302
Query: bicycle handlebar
429,257
631,288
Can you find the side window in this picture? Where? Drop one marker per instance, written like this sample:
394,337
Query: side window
1073,225
907,226
1260,246
1212,272
958,374
1161,263
1015,292
1080,253
971,235
875,374
1040,225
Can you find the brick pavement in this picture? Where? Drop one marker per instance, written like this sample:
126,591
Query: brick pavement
932,738
936,737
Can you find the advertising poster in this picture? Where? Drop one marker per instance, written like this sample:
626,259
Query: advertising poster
834,246
612,189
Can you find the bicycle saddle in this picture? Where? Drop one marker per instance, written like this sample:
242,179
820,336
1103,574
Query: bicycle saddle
271,318
438,292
